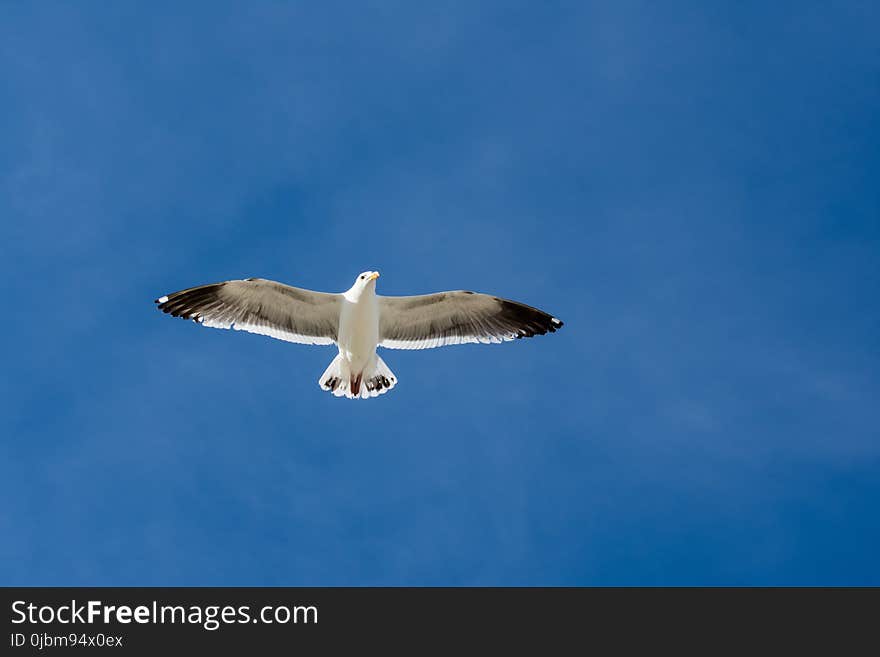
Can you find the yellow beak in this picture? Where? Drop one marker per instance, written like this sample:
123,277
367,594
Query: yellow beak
373,276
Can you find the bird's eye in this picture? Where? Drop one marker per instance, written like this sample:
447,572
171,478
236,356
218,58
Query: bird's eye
362,278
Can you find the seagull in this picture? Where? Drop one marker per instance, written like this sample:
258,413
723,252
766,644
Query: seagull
357,321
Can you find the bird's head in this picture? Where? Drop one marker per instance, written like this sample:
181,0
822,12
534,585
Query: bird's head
365,281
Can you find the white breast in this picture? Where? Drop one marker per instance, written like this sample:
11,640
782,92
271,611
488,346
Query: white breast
359,330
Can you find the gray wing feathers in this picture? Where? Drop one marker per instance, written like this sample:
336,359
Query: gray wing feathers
260,306
445,318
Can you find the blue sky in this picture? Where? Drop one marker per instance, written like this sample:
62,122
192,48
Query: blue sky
691,187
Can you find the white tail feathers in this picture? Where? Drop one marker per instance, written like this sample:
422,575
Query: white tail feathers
376,379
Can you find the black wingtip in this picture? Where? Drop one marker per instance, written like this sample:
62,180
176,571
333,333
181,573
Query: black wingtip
528,321
188,303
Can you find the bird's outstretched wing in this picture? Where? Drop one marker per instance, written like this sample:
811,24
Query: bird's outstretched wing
436,320
260,306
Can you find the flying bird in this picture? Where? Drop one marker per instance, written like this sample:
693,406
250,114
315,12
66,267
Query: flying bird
357,321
